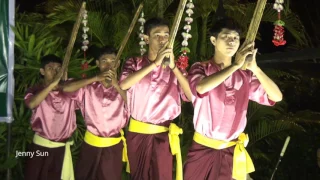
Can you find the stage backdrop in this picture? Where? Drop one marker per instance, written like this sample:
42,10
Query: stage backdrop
7,11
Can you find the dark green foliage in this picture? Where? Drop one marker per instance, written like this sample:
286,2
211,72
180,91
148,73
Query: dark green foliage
38,35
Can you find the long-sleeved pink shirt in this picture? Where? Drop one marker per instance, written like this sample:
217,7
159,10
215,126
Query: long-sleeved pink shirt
221,113
103,109
54,118
156,97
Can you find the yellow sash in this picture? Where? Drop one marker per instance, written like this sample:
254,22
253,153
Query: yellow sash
97,141
242,163
67,167
174,141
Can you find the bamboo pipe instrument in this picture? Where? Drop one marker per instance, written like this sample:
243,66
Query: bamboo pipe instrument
175,27
126,38
72,40
254,26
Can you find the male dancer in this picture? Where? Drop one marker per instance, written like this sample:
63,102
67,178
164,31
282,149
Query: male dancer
53,120
103,108
153,94
221,93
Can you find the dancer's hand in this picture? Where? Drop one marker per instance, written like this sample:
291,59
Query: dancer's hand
242,54
252,63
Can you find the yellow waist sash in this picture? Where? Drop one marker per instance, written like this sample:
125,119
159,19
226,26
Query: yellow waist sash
242,163
174,141
97,141
67,167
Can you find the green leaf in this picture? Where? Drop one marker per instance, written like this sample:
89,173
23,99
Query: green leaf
17,33
21,111
10,162
32,40
26,35
19,66
53,43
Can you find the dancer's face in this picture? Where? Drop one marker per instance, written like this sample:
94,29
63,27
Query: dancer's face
157,38
50,70
106,62
227,42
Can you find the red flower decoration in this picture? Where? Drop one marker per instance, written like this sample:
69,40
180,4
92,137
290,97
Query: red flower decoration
182,62
84,66
278,39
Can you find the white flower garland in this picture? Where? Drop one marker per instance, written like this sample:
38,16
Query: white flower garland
187,27
183,59
142,43
85,29
278,5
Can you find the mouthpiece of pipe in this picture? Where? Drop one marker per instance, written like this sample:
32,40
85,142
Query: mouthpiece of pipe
166,61
285,146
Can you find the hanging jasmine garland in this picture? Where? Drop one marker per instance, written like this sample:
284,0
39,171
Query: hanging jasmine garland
142,43
182,62
85,42
278,39
85,29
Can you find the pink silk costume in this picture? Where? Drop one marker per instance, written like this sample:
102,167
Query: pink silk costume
54,118
103,109
219,114
105,115
155,99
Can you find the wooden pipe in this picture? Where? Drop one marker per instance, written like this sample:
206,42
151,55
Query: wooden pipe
126,38
174,28
72,40
253,28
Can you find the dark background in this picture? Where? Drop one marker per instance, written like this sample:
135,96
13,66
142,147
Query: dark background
309,13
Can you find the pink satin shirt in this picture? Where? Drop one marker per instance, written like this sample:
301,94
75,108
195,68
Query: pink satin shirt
156,97
221,113
54,118
103,109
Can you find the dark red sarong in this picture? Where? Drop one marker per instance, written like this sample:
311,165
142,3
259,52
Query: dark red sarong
97,163
208,164
149,156
45,164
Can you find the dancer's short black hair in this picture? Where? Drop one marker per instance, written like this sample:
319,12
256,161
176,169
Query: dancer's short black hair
153,23
50,58
106,50
227,23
